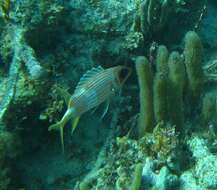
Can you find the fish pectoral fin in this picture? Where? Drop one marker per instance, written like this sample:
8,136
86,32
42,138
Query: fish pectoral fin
105,110
94,110
58,126
63,93
74,124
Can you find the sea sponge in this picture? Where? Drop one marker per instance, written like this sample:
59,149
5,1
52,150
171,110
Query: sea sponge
137,179
177,80
162,59
160,85
145,78
84,186
193,62
158,14
144,26
209,108
154,15
160,97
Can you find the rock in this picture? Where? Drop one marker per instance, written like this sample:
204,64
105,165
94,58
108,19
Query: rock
164,180
205,169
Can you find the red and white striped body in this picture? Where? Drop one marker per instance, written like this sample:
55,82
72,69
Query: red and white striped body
94,91
95,87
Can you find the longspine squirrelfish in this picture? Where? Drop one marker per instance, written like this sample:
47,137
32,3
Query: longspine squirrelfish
95,87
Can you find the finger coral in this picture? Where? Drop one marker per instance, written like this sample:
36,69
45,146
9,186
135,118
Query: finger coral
161,85
174,74
209,111
177,78
193,62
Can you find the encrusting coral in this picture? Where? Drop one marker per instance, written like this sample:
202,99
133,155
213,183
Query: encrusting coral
162,143
204,170
126,163
13,72
22,53
163,180
54,106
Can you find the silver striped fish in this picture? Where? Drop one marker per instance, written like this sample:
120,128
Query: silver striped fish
96,86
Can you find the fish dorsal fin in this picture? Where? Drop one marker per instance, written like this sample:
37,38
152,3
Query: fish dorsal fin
89,74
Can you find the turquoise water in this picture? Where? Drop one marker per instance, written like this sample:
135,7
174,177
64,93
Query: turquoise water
159,131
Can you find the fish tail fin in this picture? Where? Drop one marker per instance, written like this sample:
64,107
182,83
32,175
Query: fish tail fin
74,124
59,126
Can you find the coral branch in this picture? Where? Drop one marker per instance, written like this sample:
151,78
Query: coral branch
22,53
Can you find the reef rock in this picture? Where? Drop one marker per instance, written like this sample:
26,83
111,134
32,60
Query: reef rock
204,171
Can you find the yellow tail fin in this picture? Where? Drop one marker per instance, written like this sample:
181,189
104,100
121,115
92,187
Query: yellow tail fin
74,124
59,126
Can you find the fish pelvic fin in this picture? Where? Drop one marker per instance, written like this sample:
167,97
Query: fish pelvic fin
105,110
75,124
59,126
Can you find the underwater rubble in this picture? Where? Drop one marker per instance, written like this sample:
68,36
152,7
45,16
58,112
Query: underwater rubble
203,175
159,134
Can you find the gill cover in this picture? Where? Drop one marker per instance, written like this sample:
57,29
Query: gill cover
122,74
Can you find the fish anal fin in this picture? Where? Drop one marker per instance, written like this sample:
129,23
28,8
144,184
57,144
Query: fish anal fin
62,139
58,126
74,124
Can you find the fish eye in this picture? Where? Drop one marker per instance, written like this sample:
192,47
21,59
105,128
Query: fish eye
123,73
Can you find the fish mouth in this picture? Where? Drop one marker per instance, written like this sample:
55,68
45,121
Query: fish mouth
124,74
